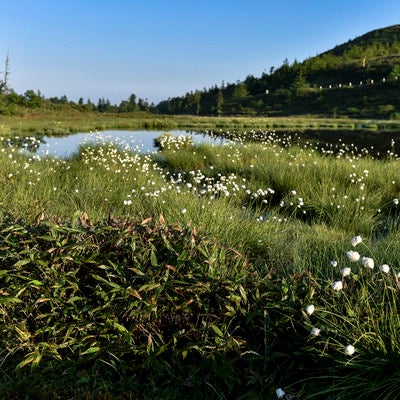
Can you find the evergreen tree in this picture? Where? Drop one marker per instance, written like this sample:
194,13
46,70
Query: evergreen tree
240,90
220,102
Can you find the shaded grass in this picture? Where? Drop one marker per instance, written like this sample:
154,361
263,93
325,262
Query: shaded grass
147,309
123,298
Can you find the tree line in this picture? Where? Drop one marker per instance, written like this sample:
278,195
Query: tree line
10,101
291,88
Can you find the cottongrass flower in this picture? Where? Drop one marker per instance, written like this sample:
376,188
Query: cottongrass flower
353,256
337,286
183,211
315,332
384,268
280,393
396,202
310,309
349,350
345,272
368,262
356,240
334,263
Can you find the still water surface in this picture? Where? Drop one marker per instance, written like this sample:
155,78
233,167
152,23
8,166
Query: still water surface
378,144
143,141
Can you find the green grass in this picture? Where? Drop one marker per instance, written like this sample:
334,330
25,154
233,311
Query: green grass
187,274
68,120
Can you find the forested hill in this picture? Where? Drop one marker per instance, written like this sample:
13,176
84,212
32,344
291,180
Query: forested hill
360,78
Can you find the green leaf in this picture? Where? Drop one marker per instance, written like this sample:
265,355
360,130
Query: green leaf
48,238
231,311
23,334
27,359
35,282
136,271
91,350
43,263
161,349
216,330
36,359
73,299
8,300
183,256
168,244
243,293
148,286
101,279
23,262
153,259
120,327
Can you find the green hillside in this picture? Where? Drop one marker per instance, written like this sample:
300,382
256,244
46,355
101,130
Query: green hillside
356,79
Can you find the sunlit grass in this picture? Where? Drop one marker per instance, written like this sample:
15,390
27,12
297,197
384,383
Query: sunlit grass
70,120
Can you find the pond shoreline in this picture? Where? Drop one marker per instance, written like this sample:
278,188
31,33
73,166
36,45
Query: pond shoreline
377,144
56,124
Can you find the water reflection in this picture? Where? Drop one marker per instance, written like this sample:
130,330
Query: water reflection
328,141
142,141
377,144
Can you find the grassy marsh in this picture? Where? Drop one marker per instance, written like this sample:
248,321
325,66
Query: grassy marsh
56,122
189,273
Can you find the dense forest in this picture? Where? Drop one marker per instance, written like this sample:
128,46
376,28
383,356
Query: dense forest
357,79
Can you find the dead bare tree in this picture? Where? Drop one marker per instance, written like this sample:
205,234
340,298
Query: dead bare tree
6,75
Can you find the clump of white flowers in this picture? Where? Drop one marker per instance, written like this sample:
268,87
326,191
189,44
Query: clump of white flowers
345,271
170,142
368,262
353,256
384,268
310,309
356,240
337,286
315,332
349,350
280,393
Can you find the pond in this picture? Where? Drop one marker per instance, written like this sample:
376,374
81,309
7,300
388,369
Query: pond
142,141
378,144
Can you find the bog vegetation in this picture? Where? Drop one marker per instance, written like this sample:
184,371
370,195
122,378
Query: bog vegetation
264,268
267,267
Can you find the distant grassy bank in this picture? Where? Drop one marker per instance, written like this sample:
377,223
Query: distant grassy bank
61,123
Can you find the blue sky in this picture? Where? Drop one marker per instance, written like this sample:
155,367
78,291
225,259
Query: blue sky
164,48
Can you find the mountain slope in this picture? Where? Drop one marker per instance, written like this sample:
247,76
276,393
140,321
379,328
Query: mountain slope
358,78
379,39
